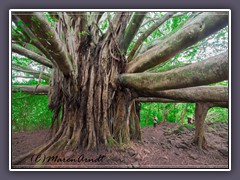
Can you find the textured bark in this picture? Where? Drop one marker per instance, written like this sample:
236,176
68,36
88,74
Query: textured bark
183,114
200,115
152,99
31,55
49,39
132,29
211,70
31,71
31,89
193,94
134,122
94,109
30,35
204,25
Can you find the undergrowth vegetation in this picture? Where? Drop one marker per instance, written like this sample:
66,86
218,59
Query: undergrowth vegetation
176,113
30,112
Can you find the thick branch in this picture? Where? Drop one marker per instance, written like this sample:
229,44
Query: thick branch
153,99
48,37
31,89
132,29
220,104
147,33
33,72
193,94
202,26
26,77
212,70
32,48
30,36
31,55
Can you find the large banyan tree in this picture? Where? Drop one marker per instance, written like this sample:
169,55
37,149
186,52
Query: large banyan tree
99,68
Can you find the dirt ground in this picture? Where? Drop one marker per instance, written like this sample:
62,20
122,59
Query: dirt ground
162,147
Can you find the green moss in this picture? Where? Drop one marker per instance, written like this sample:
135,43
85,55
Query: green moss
111,141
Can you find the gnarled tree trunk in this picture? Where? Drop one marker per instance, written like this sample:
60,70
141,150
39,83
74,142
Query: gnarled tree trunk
95,109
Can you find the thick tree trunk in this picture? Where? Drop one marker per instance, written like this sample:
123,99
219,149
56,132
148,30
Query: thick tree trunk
94,108
95,111
200,115
134,122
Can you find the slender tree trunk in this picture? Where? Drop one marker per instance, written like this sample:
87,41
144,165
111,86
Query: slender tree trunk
164,113
200,115
183,114
149,112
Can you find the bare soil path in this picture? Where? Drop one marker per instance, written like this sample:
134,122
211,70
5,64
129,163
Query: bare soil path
166,146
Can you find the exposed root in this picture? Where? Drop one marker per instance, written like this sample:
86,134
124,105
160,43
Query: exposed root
200,142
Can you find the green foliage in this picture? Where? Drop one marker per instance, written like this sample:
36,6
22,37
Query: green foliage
217,114
104,25
23,61
186,126
83,33
50,19
30,112
30,82
174,113
222,83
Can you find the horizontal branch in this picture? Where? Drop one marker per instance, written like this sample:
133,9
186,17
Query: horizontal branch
32,55
31,71
25,77
192,94
153,99
201,27
31,89
212,70
220,104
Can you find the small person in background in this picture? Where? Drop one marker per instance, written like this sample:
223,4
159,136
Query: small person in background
155,121
190,120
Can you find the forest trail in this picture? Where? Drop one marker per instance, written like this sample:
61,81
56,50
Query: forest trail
166,146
